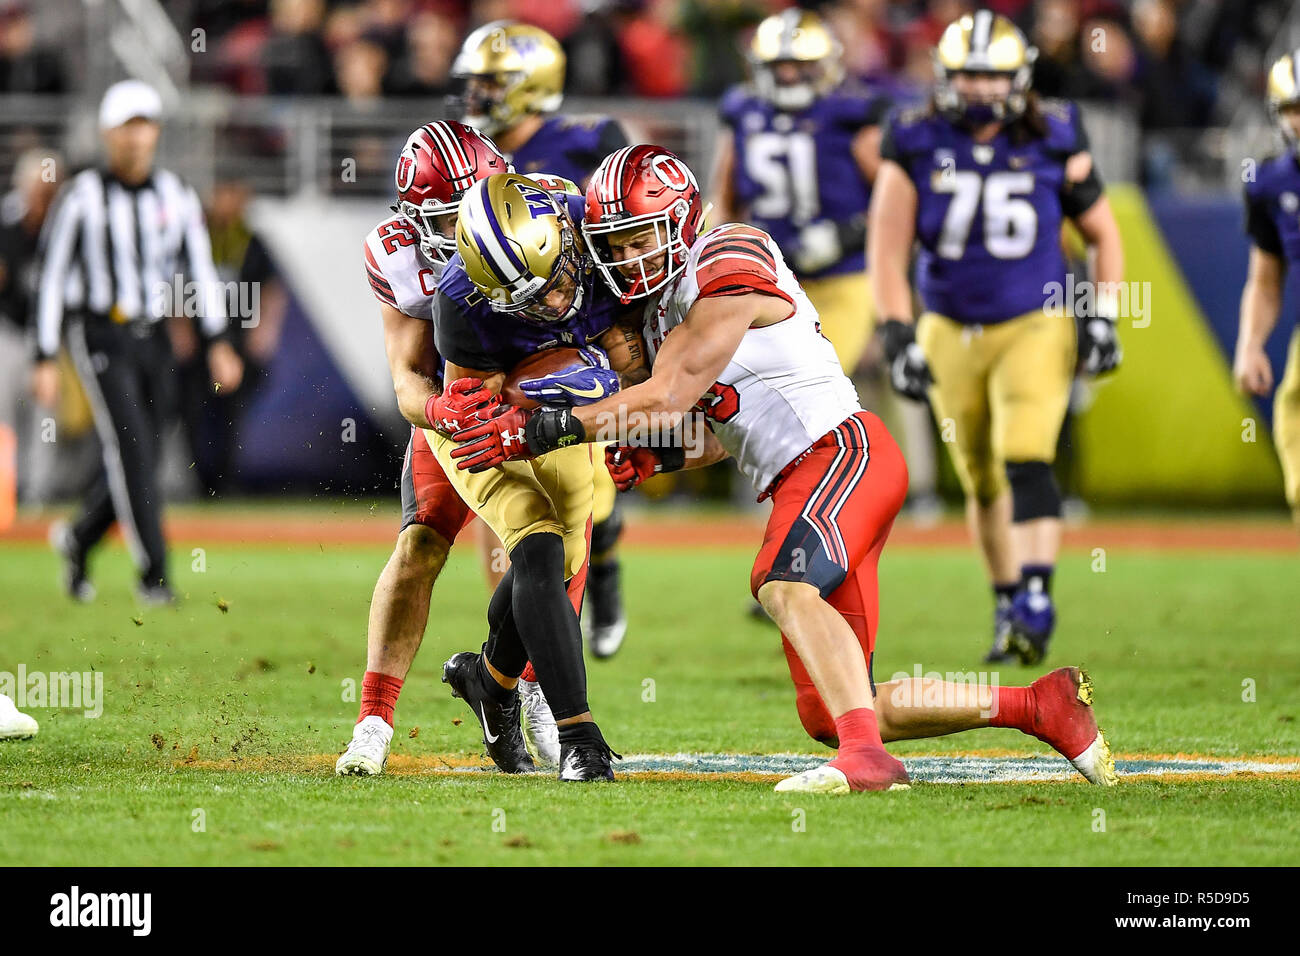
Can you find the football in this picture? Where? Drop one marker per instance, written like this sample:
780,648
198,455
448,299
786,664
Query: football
535,366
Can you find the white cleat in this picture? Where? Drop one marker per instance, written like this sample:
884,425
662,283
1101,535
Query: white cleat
541,736
823,779
605,639
14,724
367,752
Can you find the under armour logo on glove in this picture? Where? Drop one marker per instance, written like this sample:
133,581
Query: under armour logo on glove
579,385
462,403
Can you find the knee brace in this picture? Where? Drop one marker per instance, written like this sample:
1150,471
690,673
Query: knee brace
1034,493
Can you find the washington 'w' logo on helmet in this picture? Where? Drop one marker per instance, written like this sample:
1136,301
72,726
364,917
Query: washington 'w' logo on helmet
518,246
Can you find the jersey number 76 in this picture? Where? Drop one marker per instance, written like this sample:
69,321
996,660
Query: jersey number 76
1010,223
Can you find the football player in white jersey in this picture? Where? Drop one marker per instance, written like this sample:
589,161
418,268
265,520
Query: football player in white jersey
732,335
405,255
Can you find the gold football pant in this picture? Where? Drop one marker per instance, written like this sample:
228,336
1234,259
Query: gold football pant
847,312
603,495
1286,424
548,494
1000,392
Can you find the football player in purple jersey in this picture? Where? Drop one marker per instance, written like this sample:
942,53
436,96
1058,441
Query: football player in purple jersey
983,178
1272,203
799,149
514,84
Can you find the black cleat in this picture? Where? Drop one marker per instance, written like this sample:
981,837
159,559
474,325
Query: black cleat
75,582
608,622
494,707
1001,652
584,755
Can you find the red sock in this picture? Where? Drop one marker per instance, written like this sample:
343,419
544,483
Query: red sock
379,696
858,730
1013,707
529,674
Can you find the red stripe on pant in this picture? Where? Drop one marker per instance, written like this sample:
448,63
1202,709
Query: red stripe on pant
864,519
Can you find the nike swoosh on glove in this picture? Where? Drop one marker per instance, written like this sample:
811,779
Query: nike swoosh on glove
578,385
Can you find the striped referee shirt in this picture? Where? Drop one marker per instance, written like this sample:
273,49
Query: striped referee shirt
112,250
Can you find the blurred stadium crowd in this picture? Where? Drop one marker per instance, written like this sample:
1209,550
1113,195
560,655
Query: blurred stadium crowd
1175,64
1180,63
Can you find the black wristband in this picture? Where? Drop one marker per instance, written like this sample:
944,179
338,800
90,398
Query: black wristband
552,428
671,458
897,335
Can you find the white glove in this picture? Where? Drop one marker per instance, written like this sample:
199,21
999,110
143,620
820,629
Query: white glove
819,247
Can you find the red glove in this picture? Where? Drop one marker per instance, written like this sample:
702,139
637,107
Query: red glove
631,466
499,437
461,403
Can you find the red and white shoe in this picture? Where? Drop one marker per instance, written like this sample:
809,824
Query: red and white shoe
857,770
1064,719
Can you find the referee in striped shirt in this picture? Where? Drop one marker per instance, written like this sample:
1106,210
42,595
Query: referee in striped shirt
113,250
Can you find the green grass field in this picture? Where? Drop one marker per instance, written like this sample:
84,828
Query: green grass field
219,729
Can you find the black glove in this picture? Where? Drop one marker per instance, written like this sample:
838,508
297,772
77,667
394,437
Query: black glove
909,372
1099,348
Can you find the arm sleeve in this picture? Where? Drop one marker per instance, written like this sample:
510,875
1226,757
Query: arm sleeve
58,242
889,147
198,258
1078,198
878,108
456,340
1260,226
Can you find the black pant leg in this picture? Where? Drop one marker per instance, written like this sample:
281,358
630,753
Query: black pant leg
113,369
97,514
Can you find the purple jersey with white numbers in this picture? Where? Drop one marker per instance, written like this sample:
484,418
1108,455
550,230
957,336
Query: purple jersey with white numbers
569,146
792,169
988,215
1273,208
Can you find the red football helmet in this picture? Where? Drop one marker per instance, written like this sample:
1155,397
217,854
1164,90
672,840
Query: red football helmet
438,163
634,188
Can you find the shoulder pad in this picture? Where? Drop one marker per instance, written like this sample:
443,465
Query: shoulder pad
1064,124
735,101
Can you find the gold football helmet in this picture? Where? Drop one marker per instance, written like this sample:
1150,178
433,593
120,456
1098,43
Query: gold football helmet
795,58
1284,91
985,43
520,248
511,69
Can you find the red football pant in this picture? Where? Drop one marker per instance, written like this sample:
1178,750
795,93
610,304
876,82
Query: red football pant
831,516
